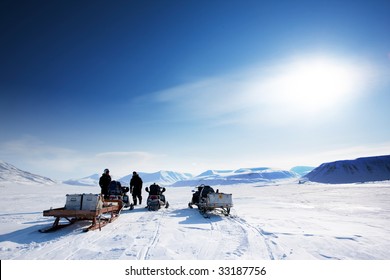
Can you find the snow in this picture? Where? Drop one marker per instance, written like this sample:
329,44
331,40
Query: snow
92,180
279,220
161,177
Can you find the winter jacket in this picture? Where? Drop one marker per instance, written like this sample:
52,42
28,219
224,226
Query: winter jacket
136,184
104,181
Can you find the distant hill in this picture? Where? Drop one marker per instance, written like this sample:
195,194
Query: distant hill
211,177
242,175
9,173
92,180
302,170
365,169
161,177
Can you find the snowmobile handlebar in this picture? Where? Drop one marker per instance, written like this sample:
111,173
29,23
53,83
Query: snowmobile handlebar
162,189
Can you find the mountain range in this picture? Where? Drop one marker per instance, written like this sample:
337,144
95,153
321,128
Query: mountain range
211,177
242,175
338,172
164,178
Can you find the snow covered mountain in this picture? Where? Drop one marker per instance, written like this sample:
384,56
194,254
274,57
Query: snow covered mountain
161,177
365,169
211,177
238,176
92,180
9,173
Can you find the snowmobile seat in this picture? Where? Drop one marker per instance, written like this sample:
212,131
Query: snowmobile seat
115,188
155,189
201,192
205,191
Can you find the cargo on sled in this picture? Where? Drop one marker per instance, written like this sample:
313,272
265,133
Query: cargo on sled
207,200
81,207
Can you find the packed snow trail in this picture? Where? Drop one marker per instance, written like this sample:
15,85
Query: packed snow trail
177,232
151,223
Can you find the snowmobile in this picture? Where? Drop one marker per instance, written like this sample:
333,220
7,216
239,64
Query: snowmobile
206,199
117,192
156,199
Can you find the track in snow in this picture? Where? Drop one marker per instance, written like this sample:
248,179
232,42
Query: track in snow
180,233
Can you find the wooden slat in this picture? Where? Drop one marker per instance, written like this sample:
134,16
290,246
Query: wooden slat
84,215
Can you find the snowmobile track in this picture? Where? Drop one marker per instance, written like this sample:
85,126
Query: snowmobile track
258,231
144,254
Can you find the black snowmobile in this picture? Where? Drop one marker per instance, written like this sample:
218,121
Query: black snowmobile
156,199
117,192
206,199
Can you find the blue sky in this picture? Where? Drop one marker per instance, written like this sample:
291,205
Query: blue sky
191,85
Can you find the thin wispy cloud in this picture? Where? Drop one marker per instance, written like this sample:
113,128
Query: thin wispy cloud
32,154
353,152
31,146
282,92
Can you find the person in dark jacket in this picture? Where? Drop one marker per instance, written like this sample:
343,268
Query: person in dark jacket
136,188
104,181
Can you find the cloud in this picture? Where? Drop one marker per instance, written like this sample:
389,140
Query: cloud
34,155
282,92
204,99
353,152
31,146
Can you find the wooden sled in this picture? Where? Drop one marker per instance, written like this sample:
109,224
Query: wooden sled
100,217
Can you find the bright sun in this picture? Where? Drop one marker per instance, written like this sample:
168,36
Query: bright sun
319,82
313,84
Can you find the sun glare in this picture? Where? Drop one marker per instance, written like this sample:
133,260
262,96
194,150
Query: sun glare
320,83
313,84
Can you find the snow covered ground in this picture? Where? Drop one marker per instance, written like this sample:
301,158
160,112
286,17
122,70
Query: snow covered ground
283,220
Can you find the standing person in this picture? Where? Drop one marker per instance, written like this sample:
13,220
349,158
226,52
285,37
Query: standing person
104,181
136,188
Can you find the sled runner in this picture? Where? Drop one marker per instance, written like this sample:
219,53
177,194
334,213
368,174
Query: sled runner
206,199
85,207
